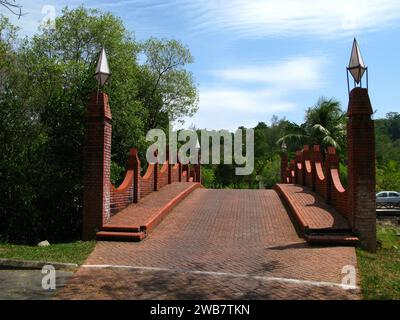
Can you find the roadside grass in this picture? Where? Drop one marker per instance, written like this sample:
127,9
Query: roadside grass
74,252
380,271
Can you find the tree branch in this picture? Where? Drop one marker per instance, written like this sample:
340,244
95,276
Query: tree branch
13,7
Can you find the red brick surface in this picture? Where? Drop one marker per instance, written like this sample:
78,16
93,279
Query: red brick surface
137,214
311,209
96,196
125,284
162,179
146,182
240,234
361,168
175,172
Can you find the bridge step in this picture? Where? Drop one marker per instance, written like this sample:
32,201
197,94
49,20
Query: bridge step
332,239
120,236
136,221
120,228
328,231
319,222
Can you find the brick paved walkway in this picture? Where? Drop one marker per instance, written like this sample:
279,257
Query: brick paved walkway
311,209
219,244
138,214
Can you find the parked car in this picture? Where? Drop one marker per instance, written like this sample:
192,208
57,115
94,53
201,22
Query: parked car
387,199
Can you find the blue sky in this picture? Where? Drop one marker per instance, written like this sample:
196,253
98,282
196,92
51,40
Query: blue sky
258,58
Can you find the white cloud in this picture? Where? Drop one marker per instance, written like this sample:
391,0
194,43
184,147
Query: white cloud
259,18
299,73
230,107
241,100
252,18
250,94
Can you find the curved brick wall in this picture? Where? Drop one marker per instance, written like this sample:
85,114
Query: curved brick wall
357,202
308,169
122,196
134,187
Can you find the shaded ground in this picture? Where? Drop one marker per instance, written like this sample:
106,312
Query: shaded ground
27,284
176,285
219,244
312,209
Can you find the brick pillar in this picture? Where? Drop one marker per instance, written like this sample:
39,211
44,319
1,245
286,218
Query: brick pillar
287,175
136,174
361,167
300,173
155,172
179,171
169,167
155,176
284,165
331,162
197,168
316,157
307,158
186,168
292,168
96,191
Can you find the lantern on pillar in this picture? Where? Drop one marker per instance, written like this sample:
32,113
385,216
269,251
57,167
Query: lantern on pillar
356,67
102,70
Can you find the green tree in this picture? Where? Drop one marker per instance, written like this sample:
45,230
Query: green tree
12,6
45,84
325,125
19,137
388,176
60,64
169,92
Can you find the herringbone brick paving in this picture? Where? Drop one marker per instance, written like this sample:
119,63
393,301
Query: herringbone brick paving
138,284
312,208
138,213
237,232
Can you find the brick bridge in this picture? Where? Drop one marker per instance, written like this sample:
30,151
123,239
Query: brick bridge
174,239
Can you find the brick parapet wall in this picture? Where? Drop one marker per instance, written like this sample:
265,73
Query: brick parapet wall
320,175
299,168
357,203
309,171
175,171
162,176
101,198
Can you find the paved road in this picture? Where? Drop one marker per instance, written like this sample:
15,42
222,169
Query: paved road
27,284
216,244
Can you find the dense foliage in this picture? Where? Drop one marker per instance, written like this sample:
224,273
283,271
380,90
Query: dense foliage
266,161
45,84
324,124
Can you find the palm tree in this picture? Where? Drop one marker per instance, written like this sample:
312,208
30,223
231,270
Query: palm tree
324,124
